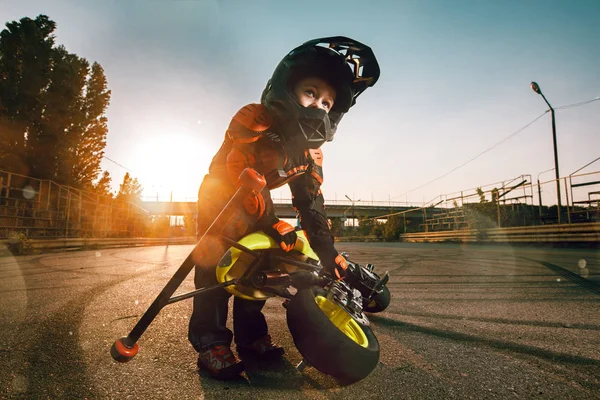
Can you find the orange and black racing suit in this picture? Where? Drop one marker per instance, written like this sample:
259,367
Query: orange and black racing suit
251,141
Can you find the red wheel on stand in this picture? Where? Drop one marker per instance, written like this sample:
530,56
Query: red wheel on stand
122,352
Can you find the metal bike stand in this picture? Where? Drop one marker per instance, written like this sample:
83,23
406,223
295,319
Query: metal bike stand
302,365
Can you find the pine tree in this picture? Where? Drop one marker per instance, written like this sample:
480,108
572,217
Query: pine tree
130,190
102,187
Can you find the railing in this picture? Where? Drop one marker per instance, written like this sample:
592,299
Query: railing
8,246
281,200
494,202
42,208
516,202
567,233
585,196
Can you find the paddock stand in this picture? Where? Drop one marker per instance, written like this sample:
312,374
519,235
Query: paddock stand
126,347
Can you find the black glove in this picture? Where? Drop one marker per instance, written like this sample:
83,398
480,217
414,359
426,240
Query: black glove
337,267
283,233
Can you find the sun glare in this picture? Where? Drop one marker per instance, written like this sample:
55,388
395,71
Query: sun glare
171,164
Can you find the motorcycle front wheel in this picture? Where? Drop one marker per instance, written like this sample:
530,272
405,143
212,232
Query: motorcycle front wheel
329,338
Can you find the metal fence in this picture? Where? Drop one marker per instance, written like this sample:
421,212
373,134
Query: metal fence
44,209
516,202
584,196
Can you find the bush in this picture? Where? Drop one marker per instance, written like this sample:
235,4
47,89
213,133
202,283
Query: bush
19,244
392,229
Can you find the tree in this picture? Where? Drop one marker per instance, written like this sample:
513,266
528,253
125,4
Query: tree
69,144
393,228
52,107
481,195
89,148
483,215
102,186
53,141
366,225
25,63
378,230
336,226
189,224
130,190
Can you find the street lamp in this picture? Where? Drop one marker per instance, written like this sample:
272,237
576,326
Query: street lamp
540,189
536,88
352,201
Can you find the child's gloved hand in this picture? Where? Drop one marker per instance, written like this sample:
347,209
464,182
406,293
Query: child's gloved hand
338,267
283,233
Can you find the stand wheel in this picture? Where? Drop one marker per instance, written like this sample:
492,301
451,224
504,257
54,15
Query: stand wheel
122,352
379,302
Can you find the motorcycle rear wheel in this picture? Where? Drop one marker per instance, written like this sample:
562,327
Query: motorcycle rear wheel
328,337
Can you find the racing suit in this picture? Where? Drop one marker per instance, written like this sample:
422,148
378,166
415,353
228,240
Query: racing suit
252,141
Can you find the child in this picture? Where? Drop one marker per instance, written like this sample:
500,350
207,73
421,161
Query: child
309,92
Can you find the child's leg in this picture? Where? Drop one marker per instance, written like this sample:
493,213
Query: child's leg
251,333
249,322
209,317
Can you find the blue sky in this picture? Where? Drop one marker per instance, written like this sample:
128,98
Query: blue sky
455,81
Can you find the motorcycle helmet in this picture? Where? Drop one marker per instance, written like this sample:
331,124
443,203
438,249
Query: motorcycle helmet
350,67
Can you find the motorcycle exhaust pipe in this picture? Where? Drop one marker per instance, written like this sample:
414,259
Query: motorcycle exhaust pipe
261,279
303,279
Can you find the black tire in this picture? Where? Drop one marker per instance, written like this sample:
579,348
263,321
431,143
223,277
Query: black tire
379,302
325,346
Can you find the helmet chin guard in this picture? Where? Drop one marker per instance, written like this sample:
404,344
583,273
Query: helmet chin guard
315,126
350,67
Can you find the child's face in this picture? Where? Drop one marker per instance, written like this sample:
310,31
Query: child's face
315,92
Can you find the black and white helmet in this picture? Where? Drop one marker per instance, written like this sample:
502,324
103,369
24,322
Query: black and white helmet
350,67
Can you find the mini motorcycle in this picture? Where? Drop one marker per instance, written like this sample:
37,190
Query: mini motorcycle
325,315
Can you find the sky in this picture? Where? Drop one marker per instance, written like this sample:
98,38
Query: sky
454,84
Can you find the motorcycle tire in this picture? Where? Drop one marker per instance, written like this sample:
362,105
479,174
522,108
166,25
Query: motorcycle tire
329,339
379,302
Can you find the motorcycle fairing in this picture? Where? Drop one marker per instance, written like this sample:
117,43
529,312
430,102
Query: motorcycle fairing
235,262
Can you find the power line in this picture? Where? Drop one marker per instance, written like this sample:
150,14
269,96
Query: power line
478,155
582,103
120,165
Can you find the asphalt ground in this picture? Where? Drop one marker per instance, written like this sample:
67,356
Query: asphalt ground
465,322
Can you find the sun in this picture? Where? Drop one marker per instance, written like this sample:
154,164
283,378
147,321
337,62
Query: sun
171,164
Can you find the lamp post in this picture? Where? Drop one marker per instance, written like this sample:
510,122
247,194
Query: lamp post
536,88
352,201
540,188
